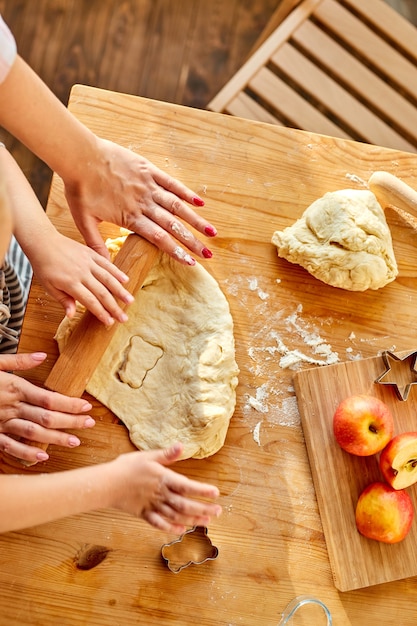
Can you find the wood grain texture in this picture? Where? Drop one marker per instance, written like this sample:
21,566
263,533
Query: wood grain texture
255,178
339,477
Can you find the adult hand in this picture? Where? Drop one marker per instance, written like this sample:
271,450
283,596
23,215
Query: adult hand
124,188
35,414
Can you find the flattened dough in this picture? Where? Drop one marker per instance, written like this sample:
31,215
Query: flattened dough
169,373
342,239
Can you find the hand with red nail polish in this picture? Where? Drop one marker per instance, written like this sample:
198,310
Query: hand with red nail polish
104,181
126,189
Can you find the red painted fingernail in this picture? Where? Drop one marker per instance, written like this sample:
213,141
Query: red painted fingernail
207,254
210,231
198,201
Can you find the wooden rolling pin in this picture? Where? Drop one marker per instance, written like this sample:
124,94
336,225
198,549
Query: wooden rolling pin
90,338
395,193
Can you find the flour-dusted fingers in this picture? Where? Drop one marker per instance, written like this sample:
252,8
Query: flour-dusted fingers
165,227
172,202
160,522
177,207
126,189
172,237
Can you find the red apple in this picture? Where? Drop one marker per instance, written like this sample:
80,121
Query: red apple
383,513
363,425
398,461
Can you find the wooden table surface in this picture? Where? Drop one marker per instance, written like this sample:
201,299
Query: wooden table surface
255,179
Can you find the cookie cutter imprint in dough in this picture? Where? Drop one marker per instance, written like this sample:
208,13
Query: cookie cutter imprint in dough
194,547
400,372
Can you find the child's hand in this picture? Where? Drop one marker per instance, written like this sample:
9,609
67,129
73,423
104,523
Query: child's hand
71,271
34,413
145,487
126,189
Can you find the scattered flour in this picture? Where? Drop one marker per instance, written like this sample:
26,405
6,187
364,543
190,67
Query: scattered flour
321,352
258,402
288,414
255,432
271,355
278,410
253,286
356,179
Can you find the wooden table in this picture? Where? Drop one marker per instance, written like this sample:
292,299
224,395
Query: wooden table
255,179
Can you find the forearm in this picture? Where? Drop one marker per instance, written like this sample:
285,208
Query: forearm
33,114
32,228
29,500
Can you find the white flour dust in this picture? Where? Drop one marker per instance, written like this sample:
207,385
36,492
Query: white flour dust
280,340
253,286
356,179
255,433
319,351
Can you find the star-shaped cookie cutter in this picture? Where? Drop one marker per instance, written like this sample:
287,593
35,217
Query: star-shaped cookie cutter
178,555
400,372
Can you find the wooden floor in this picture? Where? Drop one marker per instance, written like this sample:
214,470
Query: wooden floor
180,51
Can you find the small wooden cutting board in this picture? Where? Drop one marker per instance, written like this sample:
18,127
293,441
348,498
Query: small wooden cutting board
340,477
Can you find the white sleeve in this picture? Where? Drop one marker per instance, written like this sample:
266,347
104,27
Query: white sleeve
8,50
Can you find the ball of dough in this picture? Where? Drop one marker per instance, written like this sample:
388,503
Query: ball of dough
342,239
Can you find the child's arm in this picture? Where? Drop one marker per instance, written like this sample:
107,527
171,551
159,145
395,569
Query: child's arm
103,181
68,270
138,483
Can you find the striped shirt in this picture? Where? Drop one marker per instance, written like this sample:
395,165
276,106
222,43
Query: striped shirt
16,272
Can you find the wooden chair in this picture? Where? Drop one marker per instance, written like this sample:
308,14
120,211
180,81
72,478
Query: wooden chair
346,68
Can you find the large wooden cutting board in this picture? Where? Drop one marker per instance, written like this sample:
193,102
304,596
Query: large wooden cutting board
340,477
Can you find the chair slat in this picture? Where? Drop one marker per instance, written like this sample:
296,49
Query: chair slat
260,58
246,107
298,111
368,126
358,77
337,69
387,20
368,44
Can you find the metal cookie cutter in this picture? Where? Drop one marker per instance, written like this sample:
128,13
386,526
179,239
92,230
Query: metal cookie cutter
298,603
400,372
193,547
